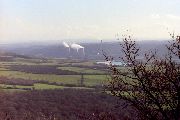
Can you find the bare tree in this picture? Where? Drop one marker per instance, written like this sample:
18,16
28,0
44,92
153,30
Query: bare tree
151,85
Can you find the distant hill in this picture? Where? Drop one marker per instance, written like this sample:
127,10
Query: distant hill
92,50
9,56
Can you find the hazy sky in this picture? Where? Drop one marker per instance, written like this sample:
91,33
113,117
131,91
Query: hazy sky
42,20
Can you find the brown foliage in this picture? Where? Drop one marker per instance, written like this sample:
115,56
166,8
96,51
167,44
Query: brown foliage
151,85
67,104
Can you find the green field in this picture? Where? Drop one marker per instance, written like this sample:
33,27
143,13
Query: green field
90,80
92,76
37,86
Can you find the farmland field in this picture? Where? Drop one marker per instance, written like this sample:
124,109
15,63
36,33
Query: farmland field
52,74
64,88
82,70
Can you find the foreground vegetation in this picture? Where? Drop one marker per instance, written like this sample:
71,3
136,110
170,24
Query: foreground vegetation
152,84
67,104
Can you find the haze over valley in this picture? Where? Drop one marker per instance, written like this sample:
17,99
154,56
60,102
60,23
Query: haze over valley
92,50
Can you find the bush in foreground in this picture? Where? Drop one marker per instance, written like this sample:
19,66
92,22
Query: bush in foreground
67,104
151,85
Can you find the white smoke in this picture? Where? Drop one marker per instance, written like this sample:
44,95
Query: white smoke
73,46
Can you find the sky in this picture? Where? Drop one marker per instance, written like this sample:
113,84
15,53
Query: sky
81,20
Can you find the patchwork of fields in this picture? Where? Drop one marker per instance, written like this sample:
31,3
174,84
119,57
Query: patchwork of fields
30,74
